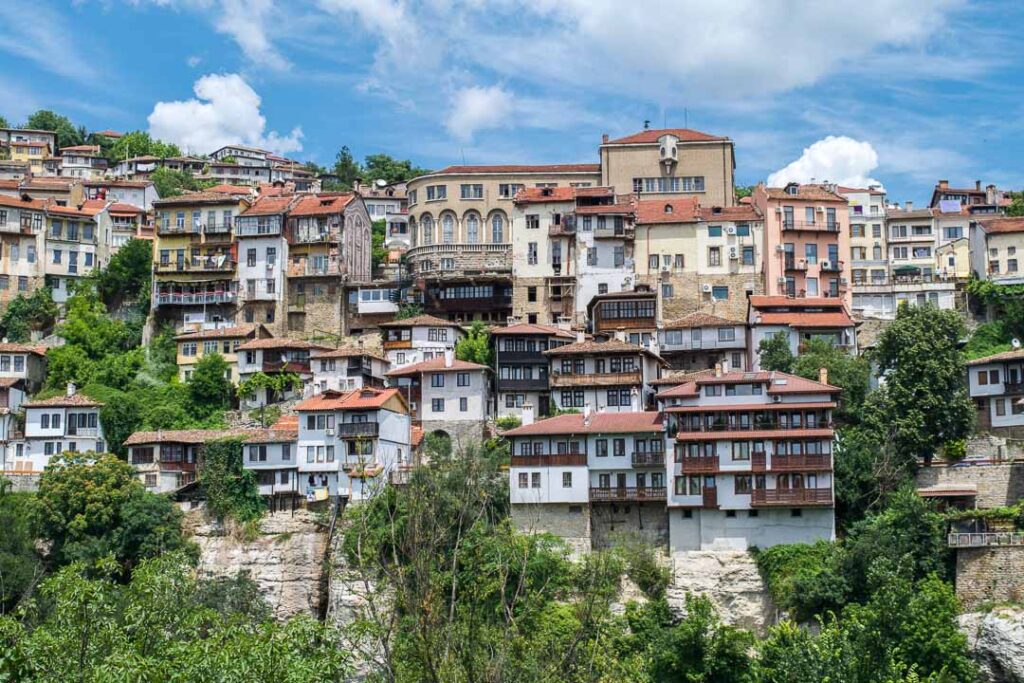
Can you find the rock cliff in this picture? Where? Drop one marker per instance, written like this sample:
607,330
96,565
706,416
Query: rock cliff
996,640
730,579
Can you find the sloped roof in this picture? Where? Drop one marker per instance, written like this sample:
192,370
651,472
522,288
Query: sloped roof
699,319
280,343
64,401
274,435
189,436
358,399
668,210
225,188
14,347
651,136
778,383
436,365
269,206
747,212
540,195
19,203
420,321
321,205
768,301
220,333
1015,354
592,346
88,208
519,168
205,197
533,328
350,352
598,423
1002,225
815,193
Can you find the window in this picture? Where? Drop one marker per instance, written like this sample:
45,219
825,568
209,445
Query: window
463,404
462,379
447,229
601,447
472,228
250,258
532,221
472,191
271,256
524,480
592,256
667,291
56,256
437,405
437,379
726,334
436,192
748,256
497,229
531,294
742,484
566,480
531,253
678,264
619,447
720,292
652,262
535,480
1000,407
714,256
619,257
714,231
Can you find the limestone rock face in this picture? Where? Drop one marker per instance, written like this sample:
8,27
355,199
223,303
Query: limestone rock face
285,560
730,579
996,640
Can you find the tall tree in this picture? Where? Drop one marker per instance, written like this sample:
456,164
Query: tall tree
171,183
127,276
3,122
923,403
346,168
139,143
774,353
67,134
26,314
209,387
385,167
475,347
851,373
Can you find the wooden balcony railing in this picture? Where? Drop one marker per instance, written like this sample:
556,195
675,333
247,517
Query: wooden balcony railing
790,497
353,429
550,460
397,344
806,462
648,459
701,464
631,493
558,379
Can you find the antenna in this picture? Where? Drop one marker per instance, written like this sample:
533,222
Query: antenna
686,117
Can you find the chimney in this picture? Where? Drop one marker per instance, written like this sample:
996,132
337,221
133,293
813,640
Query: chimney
977,184
943,184
604,138
725,366
909,205
581,337
527,414
72,388
586,414
990,194
634,400
449,357
823,375
620,334
718,369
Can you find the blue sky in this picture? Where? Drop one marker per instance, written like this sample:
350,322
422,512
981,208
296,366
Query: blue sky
897,91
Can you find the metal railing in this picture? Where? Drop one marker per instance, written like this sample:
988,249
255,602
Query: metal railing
350,429
987,539
550,460
648,458
628,493
823,226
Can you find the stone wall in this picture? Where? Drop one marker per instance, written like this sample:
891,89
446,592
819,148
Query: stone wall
21,482
647,522
729,579
285,559
569,522
463,433
994,574
998,484
688,295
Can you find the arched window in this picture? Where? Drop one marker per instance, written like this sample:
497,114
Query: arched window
447,229
472,228
427,229
497,229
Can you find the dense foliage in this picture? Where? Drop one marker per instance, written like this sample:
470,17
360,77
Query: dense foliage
27,314
375,167
231,491
774,353
171,183
20,564
67,134
475,347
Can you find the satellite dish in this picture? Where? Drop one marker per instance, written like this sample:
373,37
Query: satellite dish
381,182
1015,343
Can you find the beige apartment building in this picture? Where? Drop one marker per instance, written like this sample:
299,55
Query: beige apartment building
671,162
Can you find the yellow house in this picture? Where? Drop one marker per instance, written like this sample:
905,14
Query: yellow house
194,258
953,259
32,151
192,346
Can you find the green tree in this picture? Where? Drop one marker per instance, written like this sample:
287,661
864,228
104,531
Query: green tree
91,505
851,373
139,143
121,417
171,183
209,387
743,191
20,564
390,170
88,325
24,315
231,490
988,339
1016,207
378,254
924,402
346,168
408,310
68,363
67,134
475,347
775,354
701,649
128,275
3,122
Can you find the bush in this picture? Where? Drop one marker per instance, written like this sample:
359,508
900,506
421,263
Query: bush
805,580
231,490
508,422
643,567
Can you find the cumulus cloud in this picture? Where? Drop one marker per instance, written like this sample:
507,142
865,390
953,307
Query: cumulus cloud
838,159
194,61
247,23
476,108
225,110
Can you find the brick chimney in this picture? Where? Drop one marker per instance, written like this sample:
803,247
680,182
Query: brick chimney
908,205
943,184
604,138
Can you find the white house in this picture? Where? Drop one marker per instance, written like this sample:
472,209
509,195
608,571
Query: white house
700,340
349,443
262,260
607,376
522,369
801,320
23,362
69,422
996,384
275,356
12,448
347,368
138,193
272,455
420,338
167,459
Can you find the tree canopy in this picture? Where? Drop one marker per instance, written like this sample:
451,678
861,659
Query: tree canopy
850,373
67,134
171,183
375,167
775,354
475,347
139,143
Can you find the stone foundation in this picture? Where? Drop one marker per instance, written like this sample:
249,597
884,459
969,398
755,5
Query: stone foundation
688,295
463,433
994,574
998,484
569,522
21,482
647,522
730,580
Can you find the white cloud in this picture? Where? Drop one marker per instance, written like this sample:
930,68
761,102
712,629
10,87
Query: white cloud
194,61
33,31
247,21
837,159
226,110
476,108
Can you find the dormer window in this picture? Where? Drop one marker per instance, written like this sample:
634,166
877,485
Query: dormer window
792,188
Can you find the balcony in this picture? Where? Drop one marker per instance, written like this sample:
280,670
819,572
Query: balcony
790,497
605,324
648,459
799,266
701,464
390,344
198,265
306,269
622,233
300,366
1013,388
810,226
176,466
709,497
83,431
550,460
807,462
357,429
628,493
753,426
563,229
500,298
172,230
607,379
314,237
534,357
191,299
537,384
468,259
14,228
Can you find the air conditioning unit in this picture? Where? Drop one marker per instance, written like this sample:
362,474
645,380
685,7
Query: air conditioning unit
821,209
730,230
270,266
843,281
733,255
779,248
781,280
330,432
776,399
706,289
825,265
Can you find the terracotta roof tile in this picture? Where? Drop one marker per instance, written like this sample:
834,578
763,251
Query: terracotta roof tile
417,436
680,377
350,352
75,401
314,205
801,319
132,184
269,206
519,168
13,347
189,436
815,193
420,321
280,343
730,213
236,331
619,207
436,365
540,195
763,301
274,435
19,203
358,399
88,208
533,328
1015,354
699,319
591,346
224,188
651,136
188,198
1002,225
122,209
674,210
599,423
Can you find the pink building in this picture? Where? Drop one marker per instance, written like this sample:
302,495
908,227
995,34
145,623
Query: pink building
807,241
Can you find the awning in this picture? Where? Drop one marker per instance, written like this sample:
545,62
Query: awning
964,491
906,270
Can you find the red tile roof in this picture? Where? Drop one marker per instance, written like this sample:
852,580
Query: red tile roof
778,383
651,136
599,423
280,343
1016,354
275,435
420,321
540,195
19,203
533,328
88,149
63,400
591,346
699,319
350,352
189,436
815,193
763,301
236,331
520,168
29,143
133,184
269,206
89,208
680,376
677,210
436,365
12,347
730,213
797,319
358,399
224,188
417,436
750,406
313,205
1002,225
121,209
628,206
205,197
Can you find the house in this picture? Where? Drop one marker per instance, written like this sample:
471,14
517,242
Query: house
77,242
27,146
166,460
605,242
262,259
447,396
347,368
61,191
869,250
272,454
993,250
632,314
807,241
975,200
192,346
24,363
68,422
350,442
22,235
996,384
800,320
12,446
522,369
751,460
588,476
607,376
195,259
701,340
422,337
83,161
277,356
329,242
138,193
